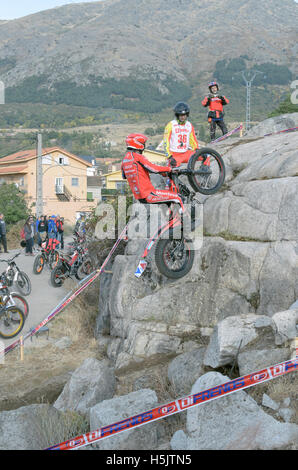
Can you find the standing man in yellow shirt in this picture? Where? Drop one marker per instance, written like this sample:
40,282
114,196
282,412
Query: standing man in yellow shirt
180,140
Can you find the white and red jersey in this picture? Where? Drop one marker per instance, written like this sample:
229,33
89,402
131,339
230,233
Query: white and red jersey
178,138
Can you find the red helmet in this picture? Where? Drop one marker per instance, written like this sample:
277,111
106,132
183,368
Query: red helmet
136,141
213,84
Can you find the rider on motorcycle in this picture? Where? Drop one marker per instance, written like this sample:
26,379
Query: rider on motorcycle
179,136
136,168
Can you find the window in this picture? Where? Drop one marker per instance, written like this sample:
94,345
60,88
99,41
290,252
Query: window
47,159
59,186
89,196
22,181
61,160
75,182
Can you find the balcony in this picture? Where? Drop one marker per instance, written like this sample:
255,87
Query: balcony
62,192
59,188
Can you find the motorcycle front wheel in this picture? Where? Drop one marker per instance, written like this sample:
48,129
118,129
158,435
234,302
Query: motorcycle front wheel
208,171
58,276
23,283
174,258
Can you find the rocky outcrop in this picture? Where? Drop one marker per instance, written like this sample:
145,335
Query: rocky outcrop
248,263
274,124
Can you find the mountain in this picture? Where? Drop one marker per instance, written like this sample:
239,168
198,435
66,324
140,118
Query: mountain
127,49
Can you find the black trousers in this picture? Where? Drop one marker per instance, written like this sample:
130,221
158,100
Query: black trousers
4,242
220,124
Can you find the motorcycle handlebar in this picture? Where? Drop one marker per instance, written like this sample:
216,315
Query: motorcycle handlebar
9,260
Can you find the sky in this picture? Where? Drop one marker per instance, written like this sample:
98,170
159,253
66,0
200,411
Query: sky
18,8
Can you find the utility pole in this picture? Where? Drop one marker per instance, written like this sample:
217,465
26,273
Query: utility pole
39,192
248,79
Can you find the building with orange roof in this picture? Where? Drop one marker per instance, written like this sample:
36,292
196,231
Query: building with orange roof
64,180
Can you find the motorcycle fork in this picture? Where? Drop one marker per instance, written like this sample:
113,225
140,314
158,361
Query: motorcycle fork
173,222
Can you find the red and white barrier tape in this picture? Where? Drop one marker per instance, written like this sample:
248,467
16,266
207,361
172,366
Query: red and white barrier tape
291,129
233,131
179,405
83,284
228,134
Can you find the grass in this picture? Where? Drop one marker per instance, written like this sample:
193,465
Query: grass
52,429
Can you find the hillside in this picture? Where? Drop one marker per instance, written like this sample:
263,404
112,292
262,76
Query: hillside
115,54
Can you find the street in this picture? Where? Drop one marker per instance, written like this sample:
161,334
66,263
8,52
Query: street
43,297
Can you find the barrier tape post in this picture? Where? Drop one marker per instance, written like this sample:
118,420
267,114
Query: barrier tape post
180,405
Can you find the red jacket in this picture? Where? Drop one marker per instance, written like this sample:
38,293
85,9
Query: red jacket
135,168
215,104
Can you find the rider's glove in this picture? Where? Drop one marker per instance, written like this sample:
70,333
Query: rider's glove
172,162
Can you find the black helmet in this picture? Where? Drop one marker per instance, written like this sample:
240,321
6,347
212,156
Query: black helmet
181,108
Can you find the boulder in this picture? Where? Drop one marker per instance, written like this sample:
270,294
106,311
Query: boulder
274,124
234,422
286,324
184,369
254,360
91,383
235,333
29,427
119,408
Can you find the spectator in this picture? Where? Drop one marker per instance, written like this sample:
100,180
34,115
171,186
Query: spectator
29,232
3,233
82,226
60,230
42,229
215,102
38,219
52,227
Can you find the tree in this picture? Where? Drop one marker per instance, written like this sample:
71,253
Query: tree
12,203
285,107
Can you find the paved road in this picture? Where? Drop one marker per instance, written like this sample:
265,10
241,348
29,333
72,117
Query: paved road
43,297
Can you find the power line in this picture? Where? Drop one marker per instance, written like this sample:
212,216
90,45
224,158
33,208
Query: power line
248,77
